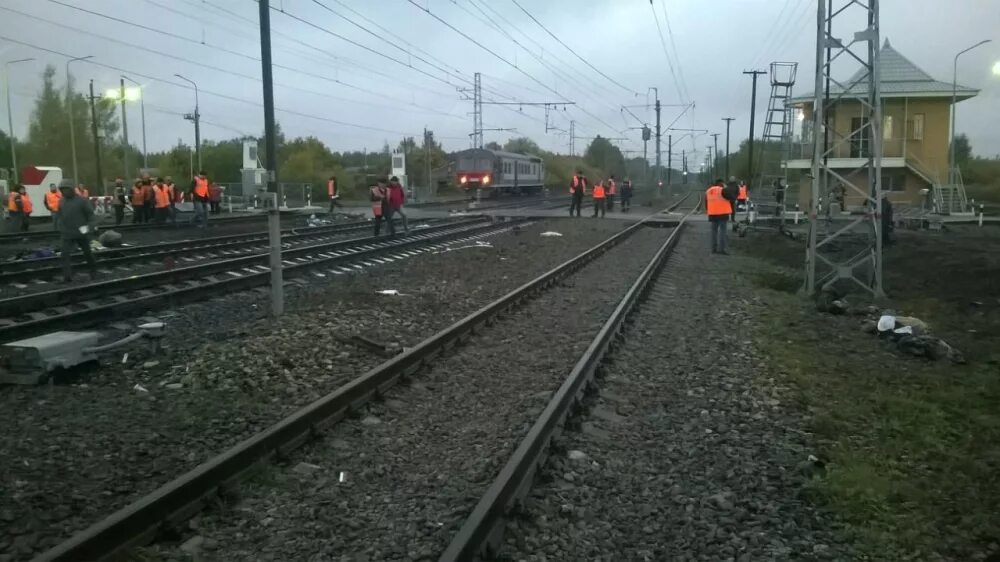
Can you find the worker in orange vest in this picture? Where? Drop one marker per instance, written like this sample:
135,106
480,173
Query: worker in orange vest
137,198
742,195
718,208
331,190
612,190
118,201
378,194
600,196
175,197
199,195
161,201
52,204
577,187
19,209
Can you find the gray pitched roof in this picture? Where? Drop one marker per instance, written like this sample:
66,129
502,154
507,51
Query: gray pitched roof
900,77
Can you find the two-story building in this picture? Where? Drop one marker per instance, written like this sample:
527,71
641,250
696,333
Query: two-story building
916,114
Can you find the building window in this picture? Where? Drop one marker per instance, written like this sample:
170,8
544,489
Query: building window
918,126
887,127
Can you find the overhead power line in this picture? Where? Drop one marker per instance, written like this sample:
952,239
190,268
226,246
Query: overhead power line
226,70
188,87
666,52
504,60
570,49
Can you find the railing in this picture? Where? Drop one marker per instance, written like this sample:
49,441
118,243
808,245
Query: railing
844,148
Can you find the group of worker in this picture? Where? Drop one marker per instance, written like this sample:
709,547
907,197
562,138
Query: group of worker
156,200
722,202
20,206
603,194
387,203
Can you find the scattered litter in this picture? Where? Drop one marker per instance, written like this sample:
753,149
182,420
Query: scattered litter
550,233
391,292
306,468
139,387
342,477
478,244
886,323
905,330
150,364
577,455
419,226
124,358
110,238
174,386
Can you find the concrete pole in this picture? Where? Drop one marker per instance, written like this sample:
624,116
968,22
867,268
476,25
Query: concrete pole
271,164
69,111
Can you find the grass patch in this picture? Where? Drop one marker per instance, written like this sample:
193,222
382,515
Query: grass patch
913,448
778,281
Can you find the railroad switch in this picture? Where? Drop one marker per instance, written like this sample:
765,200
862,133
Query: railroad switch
31,361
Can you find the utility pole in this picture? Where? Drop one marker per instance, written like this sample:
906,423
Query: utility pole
427,156
97,141
715,140
684,165
711,161
196,116
753,110
10,115
670,153
658,135
729,121
477,113
572,138
125,146
271,161
646,133
69,110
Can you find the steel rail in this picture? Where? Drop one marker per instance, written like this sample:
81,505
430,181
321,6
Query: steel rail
179,499
482,532
47,268
218,221
105,308
73,293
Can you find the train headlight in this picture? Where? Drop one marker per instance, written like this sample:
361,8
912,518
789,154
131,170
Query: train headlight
464,179
486,179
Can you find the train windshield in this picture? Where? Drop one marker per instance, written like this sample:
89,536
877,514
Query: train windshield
474,164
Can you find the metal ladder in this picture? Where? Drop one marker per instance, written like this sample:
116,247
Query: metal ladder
776,142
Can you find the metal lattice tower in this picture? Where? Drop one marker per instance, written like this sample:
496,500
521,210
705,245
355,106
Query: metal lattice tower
477,113
828,262
776,142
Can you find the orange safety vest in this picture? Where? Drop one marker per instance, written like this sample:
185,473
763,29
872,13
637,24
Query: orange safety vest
201,187
377,195
137,195
599,191
331,187
717,204
162,196
612,188
12,202
743,193
578,182
83,192
52,199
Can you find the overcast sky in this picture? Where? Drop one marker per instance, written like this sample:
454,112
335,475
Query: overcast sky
324,85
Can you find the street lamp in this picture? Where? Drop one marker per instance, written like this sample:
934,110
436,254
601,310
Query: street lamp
10,114
142,109
996,69
954,100
69,109
196,117
121,94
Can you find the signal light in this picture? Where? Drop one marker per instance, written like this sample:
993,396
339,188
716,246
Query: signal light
464,179
486,179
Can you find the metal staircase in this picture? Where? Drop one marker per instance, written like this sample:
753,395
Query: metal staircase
950,199
776,145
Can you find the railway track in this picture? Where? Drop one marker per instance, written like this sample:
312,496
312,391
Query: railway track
86,305
38,271
170,505
145,227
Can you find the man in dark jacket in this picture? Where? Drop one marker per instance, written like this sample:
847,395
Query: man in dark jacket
76,225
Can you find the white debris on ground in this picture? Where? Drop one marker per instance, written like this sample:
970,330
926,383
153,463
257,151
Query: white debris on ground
478,244
550,233
390,292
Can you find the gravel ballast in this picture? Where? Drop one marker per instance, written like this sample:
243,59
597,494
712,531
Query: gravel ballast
688,452
397,481
72,453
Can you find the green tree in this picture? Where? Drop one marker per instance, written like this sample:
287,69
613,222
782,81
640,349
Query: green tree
493,145
603,155
963,150
522,145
